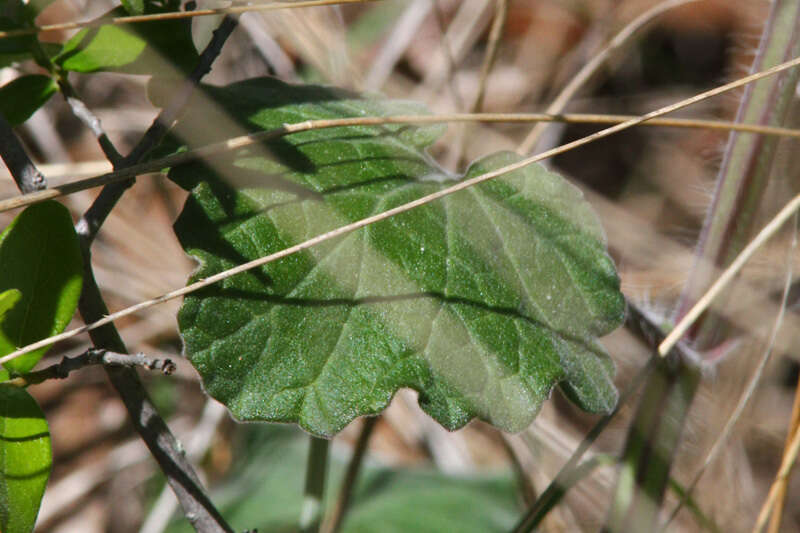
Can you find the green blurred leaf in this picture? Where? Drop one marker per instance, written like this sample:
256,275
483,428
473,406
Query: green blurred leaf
39,256
20,98
153,47
49,49
15,45
408,500
481,301
20,15
265,491
8,299
134,7
25,459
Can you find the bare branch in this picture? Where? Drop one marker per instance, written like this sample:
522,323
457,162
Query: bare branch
166,450
90,120
91,221
91,357
163,445
22,169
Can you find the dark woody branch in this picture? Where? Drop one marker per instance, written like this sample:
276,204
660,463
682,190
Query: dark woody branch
20,166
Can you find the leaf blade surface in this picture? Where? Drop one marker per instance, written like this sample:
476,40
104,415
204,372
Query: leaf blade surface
481,301
40,257
25,459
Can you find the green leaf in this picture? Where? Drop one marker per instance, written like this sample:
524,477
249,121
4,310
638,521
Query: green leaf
481,302
134,7
40,257
153,47
20,98
25,459
440,503
8,299
21,15
14,45
265,491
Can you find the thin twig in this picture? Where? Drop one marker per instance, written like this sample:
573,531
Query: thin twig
316,472
117,21
198,443
500,16
349,228
152,429
89,119
22,169
195,503
449,57
91,221
489,58
702,304
755,379
334,522
591,68
156,165
91,357
525,485
167,117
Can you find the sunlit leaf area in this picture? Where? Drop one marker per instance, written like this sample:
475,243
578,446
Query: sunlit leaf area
459,350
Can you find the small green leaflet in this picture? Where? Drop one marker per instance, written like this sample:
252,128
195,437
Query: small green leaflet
41,259
481,302
20,98
162,47
8,299
25,459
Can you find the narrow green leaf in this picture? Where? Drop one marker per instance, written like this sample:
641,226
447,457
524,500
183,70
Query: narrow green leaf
20,98
481,302
40,257
153,47
25,459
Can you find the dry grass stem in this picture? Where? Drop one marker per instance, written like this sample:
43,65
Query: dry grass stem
783,474
785,213
727,276
750,389
288,129
234,10
590,69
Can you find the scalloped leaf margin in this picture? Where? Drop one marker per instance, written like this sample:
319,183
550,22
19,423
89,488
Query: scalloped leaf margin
481,302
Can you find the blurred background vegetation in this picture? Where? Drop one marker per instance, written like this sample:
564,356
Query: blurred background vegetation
651,187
